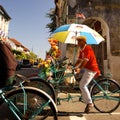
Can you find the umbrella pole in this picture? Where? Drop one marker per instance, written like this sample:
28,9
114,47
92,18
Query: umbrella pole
74,56
75,38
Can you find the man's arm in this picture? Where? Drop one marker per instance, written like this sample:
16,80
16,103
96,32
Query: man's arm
84,62
78,63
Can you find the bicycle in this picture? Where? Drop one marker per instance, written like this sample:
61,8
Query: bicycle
26,103
35,81
103,90
107,92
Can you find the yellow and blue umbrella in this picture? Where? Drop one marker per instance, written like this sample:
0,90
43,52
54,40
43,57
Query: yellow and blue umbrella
68,33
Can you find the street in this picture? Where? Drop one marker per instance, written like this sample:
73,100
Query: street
73,110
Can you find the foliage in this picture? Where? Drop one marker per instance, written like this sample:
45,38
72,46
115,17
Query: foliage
52,26
17,52
23,55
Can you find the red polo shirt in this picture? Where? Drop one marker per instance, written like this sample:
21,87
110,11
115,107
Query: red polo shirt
88,54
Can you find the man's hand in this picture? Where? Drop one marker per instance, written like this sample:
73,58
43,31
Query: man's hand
77,70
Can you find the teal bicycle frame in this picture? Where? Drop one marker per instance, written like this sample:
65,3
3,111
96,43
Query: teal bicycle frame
103,87
107,94
11,105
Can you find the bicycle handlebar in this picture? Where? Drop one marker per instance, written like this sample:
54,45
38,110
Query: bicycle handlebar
25,79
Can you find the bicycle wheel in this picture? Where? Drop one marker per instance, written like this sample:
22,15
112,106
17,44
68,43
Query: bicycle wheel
43,85
33,105
106,100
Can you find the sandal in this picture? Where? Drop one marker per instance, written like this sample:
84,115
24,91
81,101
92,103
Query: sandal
88,107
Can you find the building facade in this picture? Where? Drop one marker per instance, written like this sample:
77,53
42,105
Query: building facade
101,15
4,23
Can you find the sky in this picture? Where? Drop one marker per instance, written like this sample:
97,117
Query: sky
28,23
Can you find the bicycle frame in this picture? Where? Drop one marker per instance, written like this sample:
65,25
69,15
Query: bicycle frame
103,88
11,105
17,113
107,94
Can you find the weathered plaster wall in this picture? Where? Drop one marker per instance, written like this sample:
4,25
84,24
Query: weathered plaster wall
115,67
108,10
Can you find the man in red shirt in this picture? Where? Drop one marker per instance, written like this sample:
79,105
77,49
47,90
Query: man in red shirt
86,60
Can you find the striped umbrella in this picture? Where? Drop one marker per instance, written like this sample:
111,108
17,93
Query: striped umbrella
68,33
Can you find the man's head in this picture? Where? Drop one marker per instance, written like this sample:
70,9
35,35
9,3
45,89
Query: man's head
81,39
